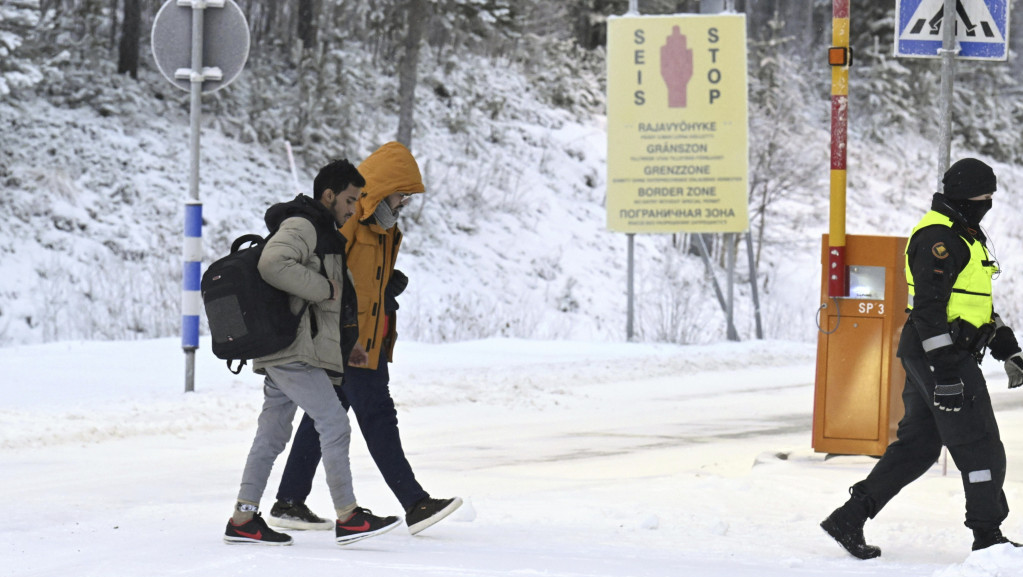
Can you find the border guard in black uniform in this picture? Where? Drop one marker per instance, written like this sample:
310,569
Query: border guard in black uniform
951,322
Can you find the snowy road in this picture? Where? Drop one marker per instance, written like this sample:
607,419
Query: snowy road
575,459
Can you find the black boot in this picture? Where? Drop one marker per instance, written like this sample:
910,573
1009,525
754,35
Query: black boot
845,525
984,538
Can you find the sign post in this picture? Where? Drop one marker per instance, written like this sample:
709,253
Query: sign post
185,38
979,31
948,71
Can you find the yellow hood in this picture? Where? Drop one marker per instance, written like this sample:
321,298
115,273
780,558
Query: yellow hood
389,170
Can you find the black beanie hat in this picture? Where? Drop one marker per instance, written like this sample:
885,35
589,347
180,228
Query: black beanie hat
968,178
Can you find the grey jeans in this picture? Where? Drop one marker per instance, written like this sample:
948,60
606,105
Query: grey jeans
287,387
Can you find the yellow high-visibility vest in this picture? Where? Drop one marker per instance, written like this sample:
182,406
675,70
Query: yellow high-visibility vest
971,293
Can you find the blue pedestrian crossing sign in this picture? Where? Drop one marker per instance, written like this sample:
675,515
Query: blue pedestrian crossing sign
981,28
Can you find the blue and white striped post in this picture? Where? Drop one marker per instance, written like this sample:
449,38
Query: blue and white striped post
227,52
191,299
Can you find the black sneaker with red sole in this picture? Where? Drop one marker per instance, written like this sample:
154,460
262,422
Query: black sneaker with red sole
254,531
363,524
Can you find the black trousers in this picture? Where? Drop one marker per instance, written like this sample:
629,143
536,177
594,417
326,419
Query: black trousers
971,436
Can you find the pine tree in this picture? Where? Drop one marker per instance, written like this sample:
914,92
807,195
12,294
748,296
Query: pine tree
19,67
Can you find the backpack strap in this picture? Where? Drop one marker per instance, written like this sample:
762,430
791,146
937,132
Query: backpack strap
313,327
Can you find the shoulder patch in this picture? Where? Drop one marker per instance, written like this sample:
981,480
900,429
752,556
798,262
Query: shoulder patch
939,251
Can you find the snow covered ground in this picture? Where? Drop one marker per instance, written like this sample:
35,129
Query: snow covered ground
574,458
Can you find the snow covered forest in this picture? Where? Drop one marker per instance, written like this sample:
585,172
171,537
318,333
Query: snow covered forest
502,102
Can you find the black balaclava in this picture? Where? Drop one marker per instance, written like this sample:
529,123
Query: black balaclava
973,210
964,180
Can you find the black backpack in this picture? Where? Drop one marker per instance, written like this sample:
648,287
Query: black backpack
248,318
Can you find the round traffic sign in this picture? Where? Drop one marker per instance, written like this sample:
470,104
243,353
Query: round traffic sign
225,42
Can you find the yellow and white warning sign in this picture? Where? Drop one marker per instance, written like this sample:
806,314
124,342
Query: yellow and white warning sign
677,155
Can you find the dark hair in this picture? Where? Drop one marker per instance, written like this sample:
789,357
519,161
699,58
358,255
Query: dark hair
337,176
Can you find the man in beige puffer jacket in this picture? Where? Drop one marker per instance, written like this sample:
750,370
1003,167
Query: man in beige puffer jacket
373,238
305,257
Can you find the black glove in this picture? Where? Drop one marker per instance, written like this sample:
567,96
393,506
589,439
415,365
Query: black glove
948,394
1003,344
1014,369
949,397
396,285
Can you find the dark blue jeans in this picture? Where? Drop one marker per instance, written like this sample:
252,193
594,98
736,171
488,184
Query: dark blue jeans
367,392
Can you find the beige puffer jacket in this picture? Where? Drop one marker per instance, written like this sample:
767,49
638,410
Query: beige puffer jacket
289,262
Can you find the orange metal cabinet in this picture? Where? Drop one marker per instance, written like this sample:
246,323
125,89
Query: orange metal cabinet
857,395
